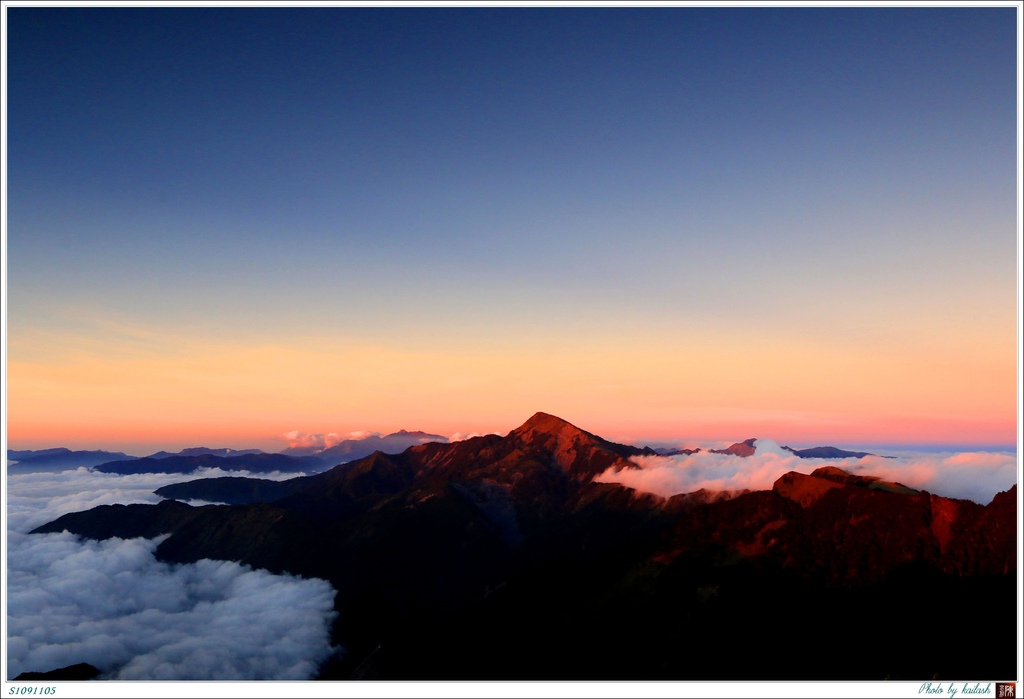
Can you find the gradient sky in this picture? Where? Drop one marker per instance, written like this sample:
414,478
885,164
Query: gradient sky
226,224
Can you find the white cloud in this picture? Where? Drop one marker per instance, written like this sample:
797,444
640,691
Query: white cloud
113,605
37,498
460,436
975,476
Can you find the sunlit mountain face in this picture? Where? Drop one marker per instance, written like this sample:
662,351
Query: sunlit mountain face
528,556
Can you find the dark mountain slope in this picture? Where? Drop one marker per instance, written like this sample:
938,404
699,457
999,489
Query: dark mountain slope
71,673
124,521
231,490
838,529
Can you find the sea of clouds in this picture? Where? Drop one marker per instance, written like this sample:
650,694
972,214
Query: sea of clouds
976,476
113,605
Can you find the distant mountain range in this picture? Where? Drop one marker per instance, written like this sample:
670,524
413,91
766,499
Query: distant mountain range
830,453
205,451
664,451
59,459
748,448
293,460
351,449
306,460
253,462
500,558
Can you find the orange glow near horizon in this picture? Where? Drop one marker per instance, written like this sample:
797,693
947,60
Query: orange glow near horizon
187,393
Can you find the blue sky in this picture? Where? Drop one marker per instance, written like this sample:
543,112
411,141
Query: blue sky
435,179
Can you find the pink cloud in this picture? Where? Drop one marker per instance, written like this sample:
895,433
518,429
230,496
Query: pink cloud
295,438
319,440
460,436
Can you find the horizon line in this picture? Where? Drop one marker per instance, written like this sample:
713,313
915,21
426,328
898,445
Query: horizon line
680,442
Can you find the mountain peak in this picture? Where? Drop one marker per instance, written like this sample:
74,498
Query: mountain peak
574,450
547,424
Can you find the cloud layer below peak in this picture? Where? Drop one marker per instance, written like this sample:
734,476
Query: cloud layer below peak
113,605
974,476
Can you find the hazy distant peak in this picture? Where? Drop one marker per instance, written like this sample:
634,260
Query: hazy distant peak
205,451
18,454
828,453
418,434
763,446
744,448
357,447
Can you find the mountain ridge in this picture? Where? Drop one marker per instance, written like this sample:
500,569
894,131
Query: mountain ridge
441,554
59,459
205,451
253,462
